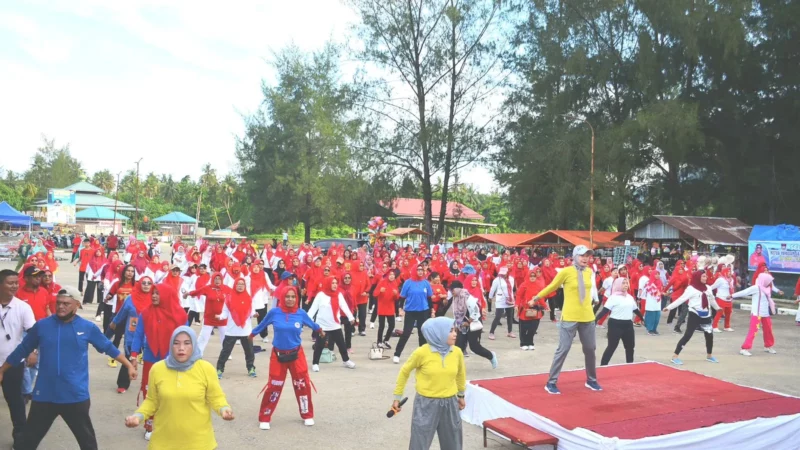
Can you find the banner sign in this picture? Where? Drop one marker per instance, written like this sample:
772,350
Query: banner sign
61,206
781,257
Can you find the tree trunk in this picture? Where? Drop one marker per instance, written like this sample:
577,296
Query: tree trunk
307,220
448,159
621,219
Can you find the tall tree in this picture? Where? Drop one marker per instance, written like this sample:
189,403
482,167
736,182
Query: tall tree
105,180
53,167
296,152
445,56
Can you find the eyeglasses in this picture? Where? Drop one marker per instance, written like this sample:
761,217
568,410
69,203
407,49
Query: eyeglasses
146,283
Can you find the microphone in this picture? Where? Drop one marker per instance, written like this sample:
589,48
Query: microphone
394,411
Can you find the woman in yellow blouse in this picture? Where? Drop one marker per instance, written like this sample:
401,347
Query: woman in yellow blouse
441,379
182,391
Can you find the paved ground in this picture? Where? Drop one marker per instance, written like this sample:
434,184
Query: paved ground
350,405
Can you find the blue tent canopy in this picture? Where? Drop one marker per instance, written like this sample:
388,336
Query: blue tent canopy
175,217
10,215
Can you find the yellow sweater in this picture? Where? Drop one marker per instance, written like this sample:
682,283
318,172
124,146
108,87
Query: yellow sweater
573,310
181,404
433,380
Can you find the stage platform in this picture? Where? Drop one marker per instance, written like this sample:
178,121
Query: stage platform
642,406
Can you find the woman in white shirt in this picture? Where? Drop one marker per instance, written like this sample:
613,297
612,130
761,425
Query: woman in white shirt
502,293
699,298
622,306
762,307
328,306
238,311
724,286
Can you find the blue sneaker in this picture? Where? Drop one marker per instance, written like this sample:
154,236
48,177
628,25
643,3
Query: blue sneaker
676,361
593,386
712,360
219,374
494,360
551,388
252,372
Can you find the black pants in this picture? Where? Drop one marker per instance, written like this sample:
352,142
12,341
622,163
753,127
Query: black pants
556,302
227,348
619,329
527,329
108,316
374,315
109,250
498,316
682,311
333,337
42,415
348,333
81,276
473,338
443,307
12,391
194,315
91,288
411,318
262,313
488,302
123,380
691,326
362,317
382,321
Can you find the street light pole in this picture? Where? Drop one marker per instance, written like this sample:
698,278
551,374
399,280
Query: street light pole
116,196
136,221
591,182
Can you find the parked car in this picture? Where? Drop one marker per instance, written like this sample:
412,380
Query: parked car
325,244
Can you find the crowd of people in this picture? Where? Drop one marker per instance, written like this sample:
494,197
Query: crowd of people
151,301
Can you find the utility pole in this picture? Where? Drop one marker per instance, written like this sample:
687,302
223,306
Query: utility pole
116,197
591,175
136,220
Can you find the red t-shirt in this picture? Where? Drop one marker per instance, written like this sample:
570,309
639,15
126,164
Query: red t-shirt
215,300
112,242
38,301
76,243
86,255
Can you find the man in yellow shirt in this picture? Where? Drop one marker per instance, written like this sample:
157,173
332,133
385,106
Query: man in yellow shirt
577,317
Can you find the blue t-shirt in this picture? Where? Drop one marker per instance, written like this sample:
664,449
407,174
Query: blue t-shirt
63,357
286,327
416,294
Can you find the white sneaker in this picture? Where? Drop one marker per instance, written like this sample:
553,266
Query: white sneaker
744,352
396,359
309,422
399,319
523,347
147,435
717,330
349,364
98,319
263,425
770,350
315,368
230,358
372,325
728,329
265,340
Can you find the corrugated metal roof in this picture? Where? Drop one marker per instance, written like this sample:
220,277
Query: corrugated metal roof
601,239
708,230
89,200
99,213
504,239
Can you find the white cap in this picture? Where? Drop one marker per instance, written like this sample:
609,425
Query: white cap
71,292
581,250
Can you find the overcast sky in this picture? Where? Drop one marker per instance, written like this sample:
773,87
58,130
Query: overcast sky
122,80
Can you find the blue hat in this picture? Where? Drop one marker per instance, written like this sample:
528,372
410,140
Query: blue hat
286,275
468,270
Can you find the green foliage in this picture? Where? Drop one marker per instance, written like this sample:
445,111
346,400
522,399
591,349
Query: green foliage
53,167
13,197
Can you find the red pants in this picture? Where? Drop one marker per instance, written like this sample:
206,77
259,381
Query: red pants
766,328
727,310
148,424
277,377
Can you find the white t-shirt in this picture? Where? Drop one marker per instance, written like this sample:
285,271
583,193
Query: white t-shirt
17,317
321,308
621,306
608,283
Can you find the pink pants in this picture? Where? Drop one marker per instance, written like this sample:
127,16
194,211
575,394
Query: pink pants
766,328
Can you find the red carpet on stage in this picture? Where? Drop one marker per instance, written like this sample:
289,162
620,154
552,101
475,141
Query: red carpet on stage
640,400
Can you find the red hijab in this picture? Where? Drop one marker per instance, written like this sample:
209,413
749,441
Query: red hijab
97,261
327,288
141,299
698,284
162,319
282,303
240,304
